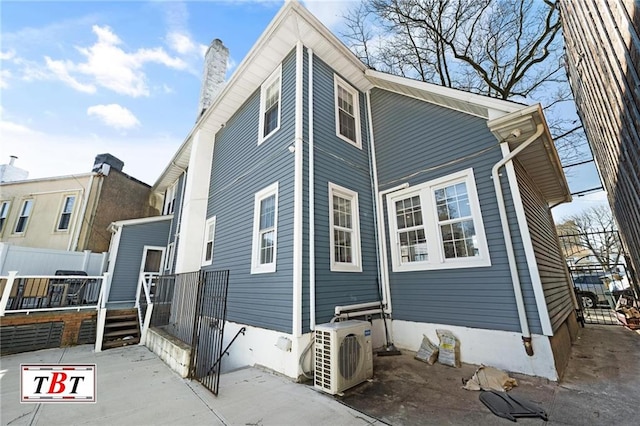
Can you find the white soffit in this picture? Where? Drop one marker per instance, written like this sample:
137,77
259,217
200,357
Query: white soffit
540,159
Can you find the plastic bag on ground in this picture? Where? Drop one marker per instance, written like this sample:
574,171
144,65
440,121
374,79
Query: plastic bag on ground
449,347
428,351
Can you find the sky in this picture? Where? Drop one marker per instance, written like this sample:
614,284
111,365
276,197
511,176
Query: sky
81,78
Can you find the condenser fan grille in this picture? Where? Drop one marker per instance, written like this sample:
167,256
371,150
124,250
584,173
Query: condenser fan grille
349,356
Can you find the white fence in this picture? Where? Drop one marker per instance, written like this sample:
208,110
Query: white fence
38,261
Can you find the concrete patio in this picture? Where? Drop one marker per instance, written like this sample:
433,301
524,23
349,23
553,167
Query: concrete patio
134,387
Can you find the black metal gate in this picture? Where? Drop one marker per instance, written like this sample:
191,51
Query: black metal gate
208,330
605,287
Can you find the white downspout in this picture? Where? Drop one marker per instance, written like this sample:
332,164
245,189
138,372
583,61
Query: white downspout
78,227
513,268
312,226
386,298
383,272
297,197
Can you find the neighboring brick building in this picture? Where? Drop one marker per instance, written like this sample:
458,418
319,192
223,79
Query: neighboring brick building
603,62
72,212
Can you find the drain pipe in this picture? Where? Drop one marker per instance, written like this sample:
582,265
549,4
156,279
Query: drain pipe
513,268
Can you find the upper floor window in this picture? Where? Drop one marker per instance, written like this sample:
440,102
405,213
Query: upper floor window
347,112
207,251
344,228
65,214
437,225
170,199
25,212
270,100
4,212
265,230
168,263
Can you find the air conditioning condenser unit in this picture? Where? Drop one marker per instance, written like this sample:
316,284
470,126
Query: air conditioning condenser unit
343,355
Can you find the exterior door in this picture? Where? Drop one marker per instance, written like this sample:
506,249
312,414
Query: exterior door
150,268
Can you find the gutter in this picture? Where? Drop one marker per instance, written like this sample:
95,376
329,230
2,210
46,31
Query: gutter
513,268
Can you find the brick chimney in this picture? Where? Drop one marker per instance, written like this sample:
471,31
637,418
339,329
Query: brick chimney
215,69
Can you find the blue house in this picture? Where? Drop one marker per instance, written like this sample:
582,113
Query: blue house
331,190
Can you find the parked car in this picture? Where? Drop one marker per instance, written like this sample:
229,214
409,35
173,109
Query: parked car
590,288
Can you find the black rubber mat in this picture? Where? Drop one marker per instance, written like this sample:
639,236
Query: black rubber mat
510,407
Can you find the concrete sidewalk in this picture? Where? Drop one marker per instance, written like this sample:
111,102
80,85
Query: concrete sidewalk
134,387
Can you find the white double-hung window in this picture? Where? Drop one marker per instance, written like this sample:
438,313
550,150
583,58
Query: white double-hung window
270,101
207,250
347,112
344,229
65,214
4,212
23,219
437,225
170,199
265,230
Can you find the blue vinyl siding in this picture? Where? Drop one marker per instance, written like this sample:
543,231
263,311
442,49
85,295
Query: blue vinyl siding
241,168
129,258
416,142
343,164
551,266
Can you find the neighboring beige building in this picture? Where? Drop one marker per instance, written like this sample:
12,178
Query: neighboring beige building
72,212
602,41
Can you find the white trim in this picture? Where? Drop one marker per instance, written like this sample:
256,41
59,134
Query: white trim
211,222
337,81
276,75
430,224
140,221
298,194
527,244
145,249
256,267
312,208
455,94
356,263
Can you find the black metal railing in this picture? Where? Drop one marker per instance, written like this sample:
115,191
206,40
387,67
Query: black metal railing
52,292
175,304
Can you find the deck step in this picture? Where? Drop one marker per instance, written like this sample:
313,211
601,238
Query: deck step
121,324
110,344
121,328
126,332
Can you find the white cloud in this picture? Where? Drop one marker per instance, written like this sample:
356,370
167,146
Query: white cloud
110,66
181,43
114,115
44,154
8,55
5,75
60,70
